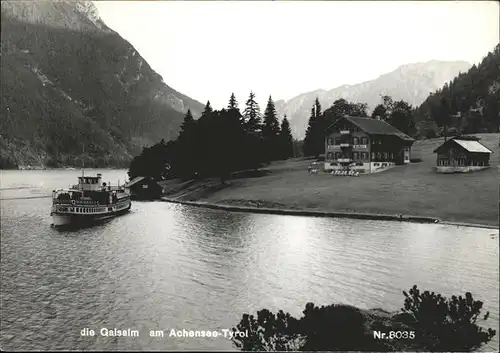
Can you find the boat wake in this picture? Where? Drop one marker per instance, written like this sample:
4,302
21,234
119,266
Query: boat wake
18,188
25,197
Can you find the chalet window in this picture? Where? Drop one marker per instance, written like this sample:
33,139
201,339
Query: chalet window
364,140
355,155
329,155
355,141
337,155
386,156
337,141
373,156
379,155
330,141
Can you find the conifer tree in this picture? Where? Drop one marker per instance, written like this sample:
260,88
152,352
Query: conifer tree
311,135
208,109
233,110
286,146
314,143
252,115
317,108
271,130
187,140
321,127
187,124
233,103
271,127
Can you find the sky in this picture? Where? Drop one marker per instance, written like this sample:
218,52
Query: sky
208,49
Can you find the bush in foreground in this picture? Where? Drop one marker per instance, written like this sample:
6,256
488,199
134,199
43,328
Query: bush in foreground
447,324
428,322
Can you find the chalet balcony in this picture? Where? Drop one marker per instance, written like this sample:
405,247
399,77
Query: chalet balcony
344,160
345,132
345,144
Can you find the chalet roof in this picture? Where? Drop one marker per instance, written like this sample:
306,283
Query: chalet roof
469,145
374,127
134,181
473,146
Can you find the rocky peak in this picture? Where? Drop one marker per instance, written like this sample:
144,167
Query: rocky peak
75,15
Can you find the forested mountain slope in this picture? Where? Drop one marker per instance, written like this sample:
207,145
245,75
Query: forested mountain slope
472,100
73,90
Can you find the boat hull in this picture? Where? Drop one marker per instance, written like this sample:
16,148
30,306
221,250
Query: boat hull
65,220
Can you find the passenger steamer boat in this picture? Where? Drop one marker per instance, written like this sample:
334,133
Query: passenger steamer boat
88,202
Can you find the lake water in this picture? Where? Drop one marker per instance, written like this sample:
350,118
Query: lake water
165,266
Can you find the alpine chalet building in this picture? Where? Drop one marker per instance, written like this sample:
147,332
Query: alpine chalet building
461,155
365,145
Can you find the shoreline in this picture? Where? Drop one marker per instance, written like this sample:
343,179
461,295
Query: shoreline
329,214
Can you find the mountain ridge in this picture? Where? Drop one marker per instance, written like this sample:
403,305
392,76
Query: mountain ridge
411,82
